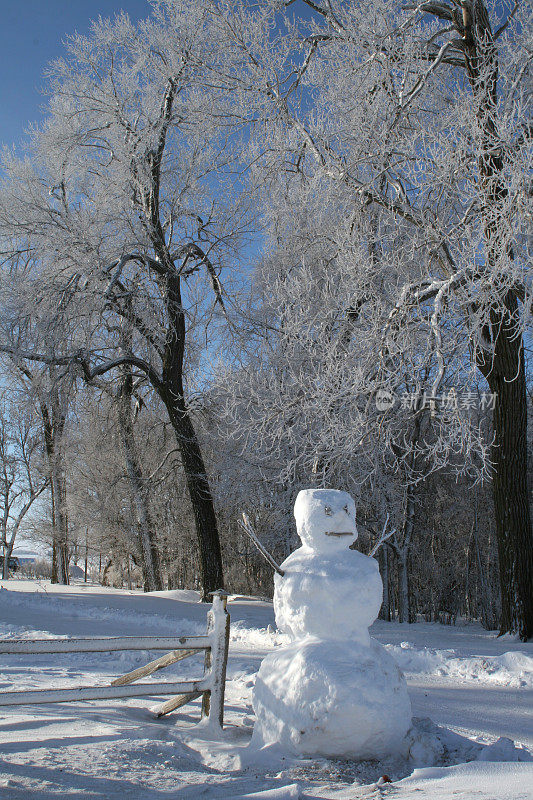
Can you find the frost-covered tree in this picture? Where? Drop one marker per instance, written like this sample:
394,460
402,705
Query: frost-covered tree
307,405
49,390
130,207
413,126
22,478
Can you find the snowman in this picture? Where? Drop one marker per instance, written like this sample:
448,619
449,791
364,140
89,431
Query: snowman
333,690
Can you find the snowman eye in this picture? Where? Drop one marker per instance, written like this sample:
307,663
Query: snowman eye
346,509
327,511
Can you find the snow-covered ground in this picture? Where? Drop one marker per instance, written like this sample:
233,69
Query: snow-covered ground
468,689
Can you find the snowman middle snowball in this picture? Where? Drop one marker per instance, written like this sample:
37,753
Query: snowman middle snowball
333,690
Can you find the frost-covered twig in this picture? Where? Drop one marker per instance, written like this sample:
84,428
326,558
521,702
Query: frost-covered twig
383,538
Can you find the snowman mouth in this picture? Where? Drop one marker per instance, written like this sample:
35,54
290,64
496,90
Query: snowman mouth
339,533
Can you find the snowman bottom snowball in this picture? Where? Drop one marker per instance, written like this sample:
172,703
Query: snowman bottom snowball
322,698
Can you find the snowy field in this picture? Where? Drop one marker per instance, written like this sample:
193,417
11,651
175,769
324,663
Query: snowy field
468,690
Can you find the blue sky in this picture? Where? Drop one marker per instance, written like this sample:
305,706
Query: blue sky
31,35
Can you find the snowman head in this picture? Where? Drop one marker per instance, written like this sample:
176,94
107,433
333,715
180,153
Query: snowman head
325,519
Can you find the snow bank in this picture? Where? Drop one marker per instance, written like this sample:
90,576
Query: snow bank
512,669
8,631
431,745
501,781
291,792
69,608
256,639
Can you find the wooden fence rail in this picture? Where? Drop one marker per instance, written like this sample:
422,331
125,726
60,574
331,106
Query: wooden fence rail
105,645
211,686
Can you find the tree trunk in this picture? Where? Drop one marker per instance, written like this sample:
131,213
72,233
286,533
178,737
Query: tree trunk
54,418
172,394
8,549
488,619
151,564
385,612
201,498
59,520
506,379
403,550
404,612
86,556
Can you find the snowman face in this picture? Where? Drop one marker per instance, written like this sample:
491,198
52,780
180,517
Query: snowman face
325,519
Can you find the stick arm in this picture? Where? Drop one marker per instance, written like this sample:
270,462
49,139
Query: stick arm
247,528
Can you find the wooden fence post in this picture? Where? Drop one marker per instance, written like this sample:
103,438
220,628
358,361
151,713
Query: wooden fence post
216,659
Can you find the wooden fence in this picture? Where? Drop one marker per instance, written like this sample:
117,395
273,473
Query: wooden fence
211,686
